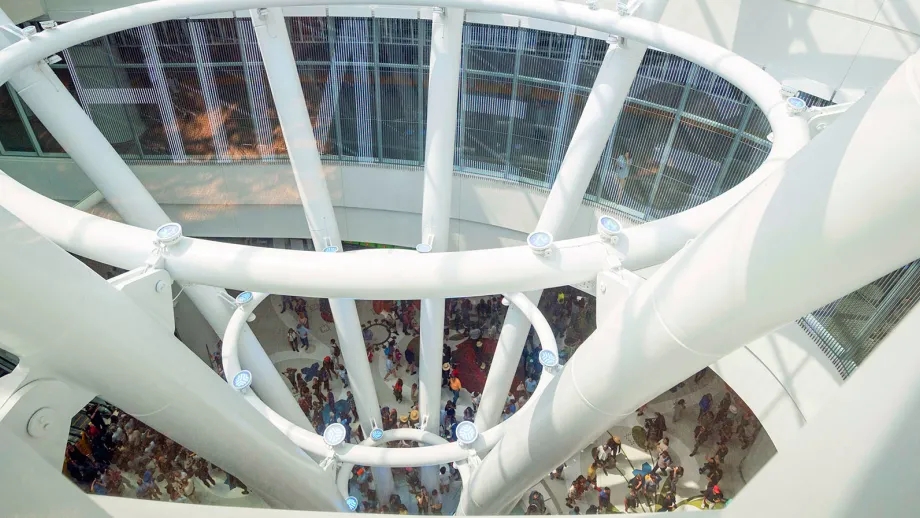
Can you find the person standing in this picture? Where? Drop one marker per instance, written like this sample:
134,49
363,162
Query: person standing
435,502
398,390
444,480
410,361
391,368
679,407
705,403
455,387
292,339
621,168
701,435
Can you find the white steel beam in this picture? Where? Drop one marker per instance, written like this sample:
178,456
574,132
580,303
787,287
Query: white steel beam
793,244
441,126
88,147
151,376
275,45
602,109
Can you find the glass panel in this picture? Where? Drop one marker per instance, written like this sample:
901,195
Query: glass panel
191,114
399,41
692,167
174,42
108,95
715,99
230,83
12,131
319,95
547,57
488,114
491,48
628,182
660,79
309,38
400,113
532,137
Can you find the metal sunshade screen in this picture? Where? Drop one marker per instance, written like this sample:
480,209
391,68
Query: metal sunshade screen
661,79
178,88
400,47
687,173
223,75
108,93
489,109
352,66
266,127
319,80
712,98
849,328
642,131
749,155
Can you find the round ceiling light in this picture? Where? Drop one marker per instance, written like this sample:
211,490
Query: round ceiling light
244,298
352,503
331,249
796,105
548,358
334,434
540,242
467,433
242,380
376,434
609,229
169,233
423,248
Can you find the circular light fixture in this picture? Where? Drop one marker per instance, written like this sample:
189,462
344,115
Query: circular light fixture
376,434
169,233
548,358
609,229
423,248
331,249
334,434
506,302
467,433
540,242
244,298
242,380
352,503
796,105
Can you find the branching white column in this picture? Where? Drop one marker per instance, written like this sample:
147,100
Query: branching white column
120,352
307,167
88,147
443,89
792,244
614,78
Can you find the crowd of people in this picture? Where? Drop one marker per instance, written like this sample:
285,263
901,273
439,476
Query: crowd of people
116,455
719,428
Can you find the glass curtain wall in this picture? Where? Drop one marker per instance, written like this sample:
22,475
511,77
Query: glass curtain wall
196,91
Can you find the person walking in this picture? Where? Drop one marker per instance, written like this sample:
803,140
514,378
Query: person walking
398,390
455,387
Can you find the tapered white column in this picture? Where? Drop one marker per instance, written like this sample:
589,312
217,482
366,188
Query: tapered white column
88,147
117,350
284,81
791,245
603,107
441,125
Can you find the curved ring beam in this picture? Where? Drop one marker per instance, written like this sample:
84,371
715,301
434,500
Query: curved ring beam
647,244
348,453
544,332
397,434
371,274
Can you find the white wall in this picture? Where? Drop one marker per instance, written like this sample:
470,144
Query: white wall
377,204
783,377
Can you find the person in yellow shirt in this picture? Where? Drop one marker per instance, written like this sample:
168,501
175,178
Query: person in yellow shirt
455,387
